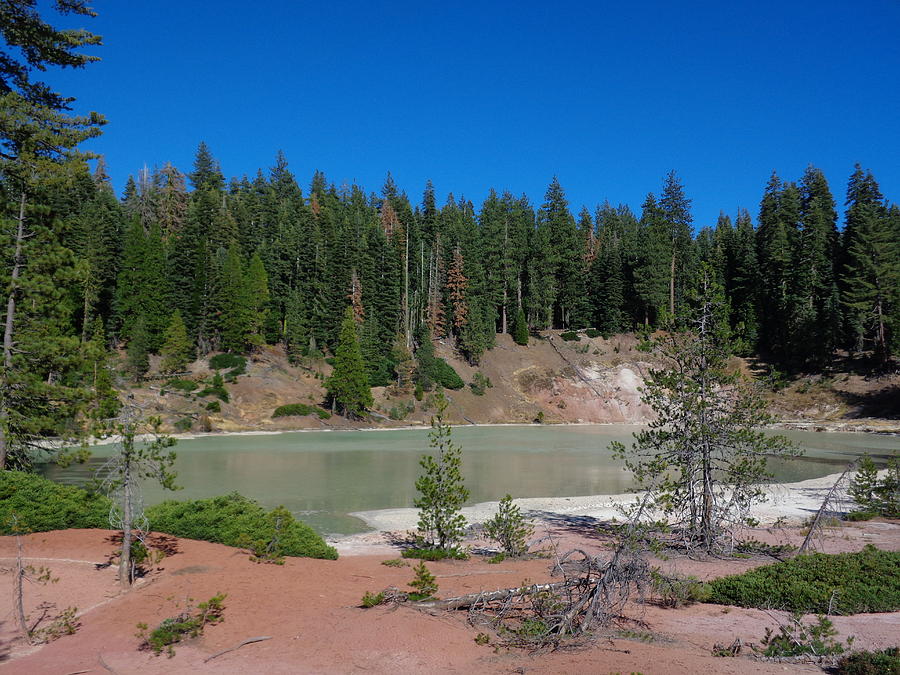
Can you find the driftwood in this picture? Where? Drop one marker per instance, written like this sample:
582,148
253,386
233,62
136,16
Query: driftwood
238,646
503,594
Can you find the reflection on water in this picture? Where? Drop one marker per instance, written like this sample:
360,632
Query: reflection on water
323,476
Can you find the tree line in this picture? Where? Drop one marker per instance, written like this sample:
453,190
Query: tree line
187,263
253,261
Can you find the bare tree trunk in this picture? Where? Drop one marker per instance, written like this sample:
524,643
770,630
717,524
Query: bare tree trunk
125,558
672,286
8,328
18,592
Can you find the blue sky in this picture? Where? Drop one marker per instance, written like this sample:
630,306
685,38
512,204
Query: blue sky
607,96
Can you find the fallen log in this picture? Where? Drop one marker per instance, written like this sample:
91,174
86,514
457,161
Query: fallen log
466,601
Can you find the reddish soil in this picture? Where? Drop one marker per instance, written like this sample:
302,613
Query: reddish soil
310,610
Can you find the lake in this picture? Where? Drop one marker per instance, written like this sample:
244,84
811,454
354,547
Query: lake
323,476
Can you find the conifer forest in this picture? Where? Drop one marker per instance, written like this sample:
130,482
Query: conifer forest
186,261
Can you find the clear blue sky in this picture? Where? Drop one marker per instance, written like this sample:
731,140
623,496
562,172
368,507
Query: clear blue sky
609,96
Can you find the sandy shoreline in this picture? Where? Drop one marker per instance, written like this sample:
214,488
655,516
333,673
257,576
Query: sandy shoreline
790,503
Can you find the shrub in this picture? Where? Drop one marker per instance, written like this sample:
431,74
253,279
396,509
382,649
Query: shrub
400,412
226,361
235,520
879,662
509,528
184,424
214,406
843,583
442,373
798,639
678,591
480,384
593,333
293,409
186,624
570,336
184,386
217,388
432,554
40,505
370,599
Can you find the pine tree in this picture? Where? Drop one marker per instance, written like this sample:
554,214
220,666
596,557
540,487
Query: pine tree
704,457
257,284
520,328
652,274
235,322
177,348
137,360
442,492
348,386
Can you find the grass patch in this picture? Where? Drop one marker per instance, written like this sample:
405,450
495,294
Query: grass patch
184,386
293,409
844,583
188,624
432,554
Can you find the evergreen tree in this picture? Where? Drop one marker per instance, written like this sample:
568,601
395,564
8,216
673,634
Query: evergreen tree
235,321
520,328
348,386
257,283
652,274
177,348
442,492
704,457
137,360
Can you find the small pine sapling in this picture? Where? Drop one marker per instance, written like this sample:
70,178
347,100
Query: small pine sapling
424,583
509,528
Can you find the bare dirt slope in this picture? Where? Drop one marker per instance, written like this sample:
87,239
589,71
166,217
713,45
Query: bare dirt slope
310,610
592,380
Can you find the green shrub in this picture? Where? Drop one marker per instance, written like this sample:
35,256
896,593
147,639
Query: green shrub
570,336
40,505
292,409
593,333
184,386
235,520
183,424
226,361
186,625
480,384
677,591
857,516
796,638
442,373
509,528
217,388
370,599
879,496
843,583
432,554
401,411
214,406
879,662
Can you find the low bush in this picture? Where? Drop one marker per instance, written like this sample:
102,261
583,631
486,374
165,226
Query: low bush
217,389
184,386
183,424
370,599
442,373
214,407
235,520
401,411
40,505
593,333
880,496
796,638
293,409
189,624
843,583
678,591
570,336
432,554
480,384
878,662
424,583
228,361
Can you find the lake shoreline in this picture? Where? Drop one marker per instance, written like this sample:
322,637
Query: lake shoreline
785,504
882,427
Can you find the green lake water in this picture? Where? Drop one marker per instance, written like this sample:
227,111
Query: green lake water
323,476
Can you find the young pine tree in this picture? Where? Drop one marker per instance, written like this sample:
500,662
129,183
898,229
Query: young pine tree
137,359
441,489
177,349
703,459
348,385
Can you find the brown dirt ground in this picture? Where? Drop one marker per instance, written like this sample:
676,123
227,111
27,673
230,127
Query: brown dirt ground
310,610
